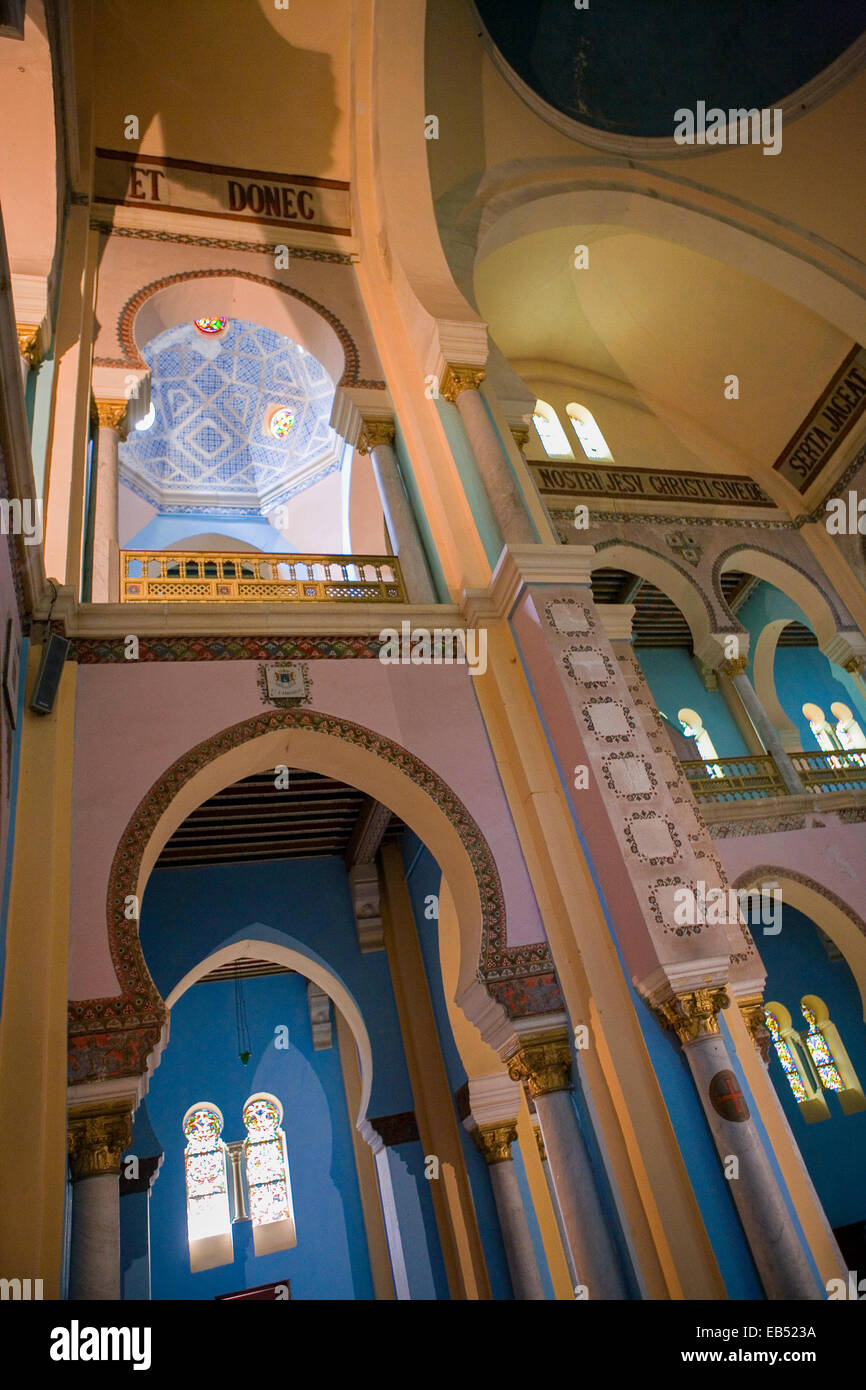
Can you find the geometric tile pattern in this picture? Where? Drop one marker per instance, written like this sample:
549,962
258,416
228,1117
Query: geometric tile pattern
209,445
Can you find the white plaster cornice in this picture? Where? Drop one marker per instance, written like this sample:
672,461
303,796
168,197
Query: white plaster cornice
492,1100
520,565
616,619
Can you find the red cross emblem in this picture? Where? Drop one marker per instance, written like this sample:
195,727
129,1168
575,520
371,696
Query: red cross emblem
727,1099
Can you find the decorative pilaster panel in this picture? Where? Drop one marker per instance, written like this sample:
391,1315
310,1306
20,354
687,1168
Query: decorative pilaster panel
652,854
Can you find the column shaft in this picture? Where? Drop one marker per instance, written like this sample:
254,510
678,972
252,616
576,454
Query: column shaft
402,527
519,1250
106,578
94,1265
586,1232
779,1255
766,731
554,1202
502,489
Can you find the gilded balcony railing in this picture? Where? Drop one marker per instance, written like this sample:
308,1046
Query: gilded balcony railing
831,772
174,576
734,779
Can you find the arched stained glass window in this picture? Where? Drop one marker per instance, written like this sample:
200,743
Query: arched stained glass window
592,441
796,1064
825,735
786,1057
819,1051
207,1200
267,1170
553,437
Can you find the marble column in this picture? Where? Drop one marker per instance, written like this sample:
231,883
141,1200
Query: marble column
98,1135
779,1255
545,1168
460,386
543,1063
111,416
494,1142
377,440
765,729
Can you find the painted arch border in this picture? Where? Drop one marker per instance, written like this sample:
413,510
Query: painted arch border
132,307
139,1012
824,908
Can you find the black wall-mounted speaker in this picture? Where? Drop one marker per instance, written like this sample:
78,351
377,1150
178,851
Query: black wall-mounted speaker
54,654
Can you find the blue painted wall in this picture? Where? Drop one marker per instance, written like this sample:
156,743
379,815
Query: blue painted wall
835,1149
201,1063
186,915
676,685
168,529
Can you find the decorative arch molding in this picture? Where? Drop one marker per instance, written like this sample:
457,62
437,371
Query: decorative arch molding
822,906
295,956
519,200
329,340
113,1036
667,575
824,616
764,678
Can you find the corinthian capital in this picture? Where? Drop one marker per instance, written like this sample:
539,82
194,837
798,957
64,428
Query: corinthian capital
97,1136
457,379
693,1014
111,414
542,1062
375,433
494,1141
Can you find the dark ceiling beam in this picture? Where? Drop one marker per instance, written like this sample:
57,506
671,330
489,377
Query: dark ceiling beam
737,597
368,834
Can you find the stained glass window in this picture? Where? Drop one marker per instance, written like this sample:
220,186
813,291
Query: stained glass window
207,1201
786,1057
211,325
282,422
819,1051
266,1162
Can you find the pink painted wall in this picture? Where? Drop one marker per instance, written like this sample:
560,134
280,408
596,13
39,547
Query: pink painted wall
134,720
834,855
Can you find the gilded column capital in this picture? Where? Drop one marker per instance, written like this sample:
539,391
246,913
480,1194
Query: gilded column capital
494,1141
734,666
111,414
520,435
457,379
855,665
97,1136
694,1014
375,433
29,344
751,1006
542,1062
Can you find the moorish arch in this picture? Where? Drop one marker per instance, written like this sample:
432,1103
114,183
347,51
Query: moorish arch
823,617
845,927
239,294
764,680
491,974
293,955
680,587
